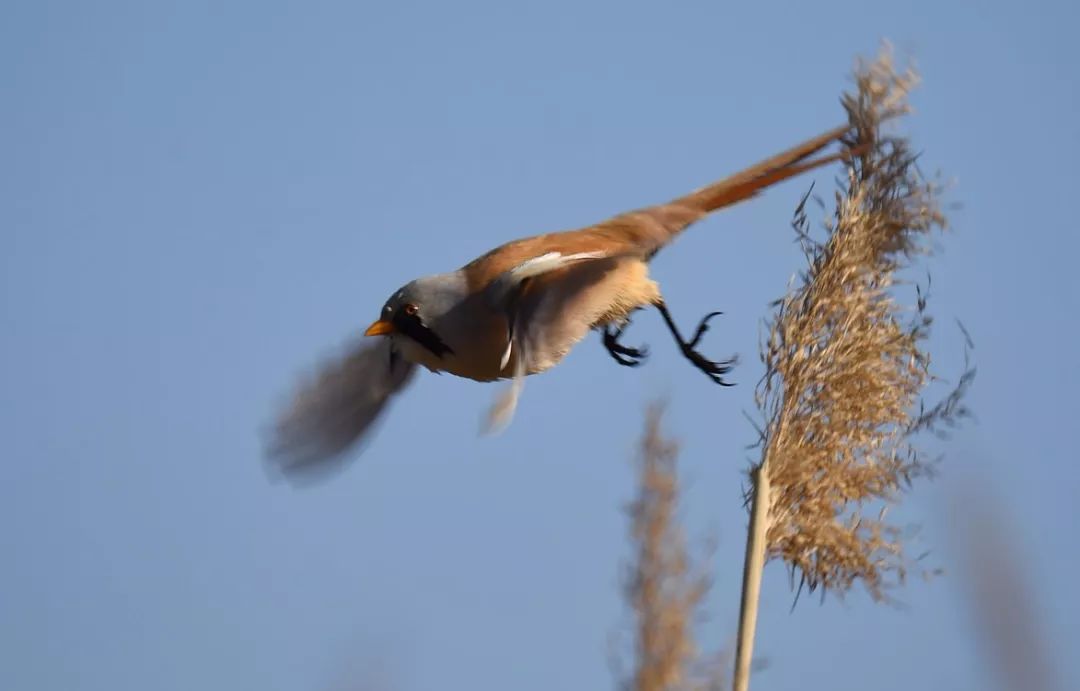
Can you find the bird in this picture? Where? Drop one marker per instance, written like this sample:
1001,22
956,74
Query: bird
516,311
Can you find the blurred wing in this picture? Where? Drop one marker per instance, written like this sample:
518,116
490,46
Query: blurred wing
332,412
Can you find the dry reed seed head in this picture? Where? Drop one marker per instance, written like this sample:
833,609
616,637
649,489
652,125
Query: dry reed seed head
663,588
844,368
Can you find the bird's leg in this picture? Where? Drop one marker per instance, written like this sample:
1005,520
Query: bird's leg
624,355
715,370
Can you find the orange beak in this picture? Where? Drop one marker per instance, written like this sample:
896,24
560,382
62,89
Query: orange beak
380,328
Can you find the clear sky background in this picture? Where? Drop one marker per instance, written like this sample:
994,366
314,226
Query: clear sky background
199,200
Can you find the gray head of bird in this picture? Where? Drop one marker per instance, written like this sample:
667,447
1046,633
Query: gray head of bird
417,314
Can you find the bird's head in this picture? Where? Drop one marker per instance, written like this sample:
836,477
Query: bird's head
415,311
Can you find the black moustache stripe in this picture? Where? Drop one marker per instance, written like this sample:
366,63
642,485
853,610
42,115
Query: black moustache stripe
415,329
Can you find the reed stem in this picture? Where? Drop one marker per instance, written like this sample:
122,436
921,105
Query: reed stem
753,567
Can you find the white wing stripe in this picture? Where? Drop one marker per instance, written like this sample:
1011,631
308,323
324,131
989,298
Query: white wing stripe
542,264
548,262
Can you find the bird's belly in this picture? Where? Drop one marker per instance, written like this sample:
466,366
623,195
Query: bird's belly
477,369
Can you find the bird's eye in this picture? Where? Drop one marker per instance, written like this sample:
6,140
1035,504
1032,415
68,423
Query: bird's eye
410,309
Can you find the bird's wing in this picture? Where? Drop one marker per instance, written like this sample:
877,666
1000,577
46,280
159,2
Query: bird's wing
331,412
503,287
550,303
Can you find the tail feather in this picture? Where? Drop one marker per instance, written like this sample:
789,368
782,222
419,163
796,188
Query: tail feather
749,182
674,216
646,230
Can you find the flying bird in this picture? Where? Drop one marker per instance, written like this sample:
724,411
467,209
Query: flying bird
515,311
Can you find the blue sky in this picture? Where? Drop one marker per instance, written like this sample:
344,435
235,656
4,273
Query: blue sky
199,200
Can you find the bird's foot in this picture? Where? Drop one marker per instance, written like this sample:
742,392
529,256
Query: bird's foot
624,355
715,370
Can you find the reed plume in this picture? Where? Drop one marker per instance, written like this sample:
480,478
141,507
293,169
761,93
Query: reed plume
845,368
664,589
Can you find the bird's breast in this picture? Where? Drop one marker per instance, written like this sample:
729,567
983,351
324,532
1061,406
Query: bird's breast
476,351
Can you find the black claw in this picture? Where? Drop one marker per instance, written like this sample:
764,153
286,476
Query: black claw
714,370
702,327
624,355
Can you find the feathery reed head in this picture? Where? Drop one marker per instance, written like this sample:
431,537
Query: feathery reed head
845,364
664,590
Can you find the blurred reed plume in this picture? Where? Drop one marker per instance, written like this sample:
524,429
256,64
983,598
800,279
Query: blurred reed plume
663,589
1012,638
845,367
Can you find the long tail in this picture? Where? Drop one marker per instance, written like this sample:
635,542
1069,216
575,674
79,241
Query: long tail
748,183
674,216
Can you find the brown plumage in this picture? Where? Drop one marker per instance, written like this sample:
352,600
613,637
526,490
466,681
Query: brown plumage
644,231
